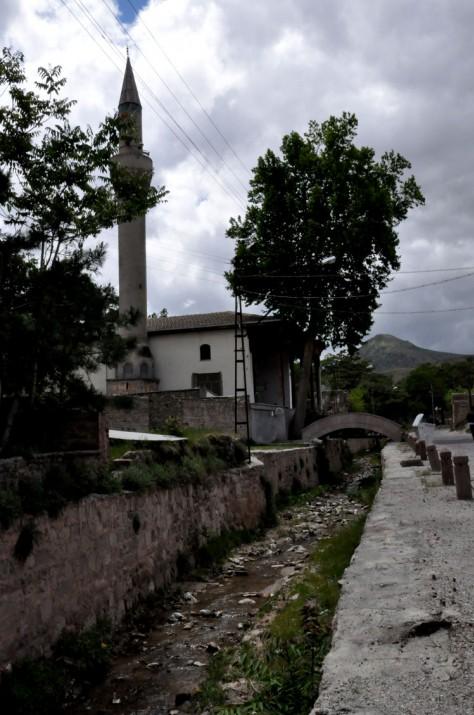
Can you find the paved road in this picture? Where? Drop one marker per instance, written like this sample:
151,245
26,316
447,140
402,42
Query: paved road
460,443
404,637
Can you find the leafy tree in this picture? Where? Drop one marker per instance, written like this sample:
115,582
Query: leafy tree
344,371
377,394
322,197
59,185
431,384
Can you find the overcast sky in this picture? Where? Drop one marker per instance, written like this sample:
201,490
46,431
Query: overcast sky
259,70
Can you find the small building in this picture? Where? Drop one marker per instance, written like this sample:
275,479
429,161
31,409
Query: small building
197,351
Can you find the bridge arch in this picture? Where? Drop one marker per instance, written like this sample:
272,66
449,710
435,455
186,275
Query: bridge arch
353,420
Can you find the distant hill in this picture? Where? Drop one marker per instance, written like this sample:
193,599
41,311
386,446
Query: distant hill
396,357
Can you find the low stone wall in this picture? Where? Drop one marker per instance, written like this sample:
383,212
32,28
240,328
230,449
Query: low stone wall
89,561
135,418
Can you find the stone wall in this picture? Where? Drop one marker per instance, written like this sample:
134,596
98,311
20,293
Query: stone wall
89,561
135,418
187,406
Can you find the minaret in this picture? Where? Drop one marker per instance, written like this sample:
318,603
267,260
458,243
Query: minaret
132,239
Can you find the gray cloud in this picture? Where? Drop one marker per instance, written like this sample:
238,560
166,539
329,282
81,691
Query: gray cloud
262,69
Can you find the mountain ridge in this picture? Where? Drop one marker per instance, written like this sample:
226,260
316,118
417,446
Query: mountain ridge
395,356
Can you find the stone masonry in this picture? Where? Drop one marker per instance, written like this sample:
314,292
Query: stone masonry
89,561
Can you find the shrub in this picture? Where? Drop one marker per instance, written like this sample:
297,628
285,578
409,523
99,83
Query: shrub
87,653
173,426
137,478
33,687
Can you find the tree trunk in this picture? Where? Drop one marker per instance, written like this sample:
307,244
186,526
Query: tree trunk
303,387
317,373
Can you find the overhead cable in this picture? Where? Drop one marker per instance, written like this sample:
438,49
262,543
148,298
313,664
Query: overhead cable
196,99
175,97
212,174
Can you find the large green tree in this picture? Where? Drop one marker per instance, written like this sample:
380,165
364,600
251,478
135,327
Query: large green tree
344,371
59,186
323,196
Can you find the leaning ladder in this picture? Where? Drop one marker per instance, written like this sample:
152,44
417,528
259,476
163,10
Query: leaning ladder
239,352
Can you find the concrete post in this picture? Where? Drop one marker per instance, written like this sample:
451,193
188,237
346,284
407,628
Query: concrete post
447,473
421,449
462,476
433,458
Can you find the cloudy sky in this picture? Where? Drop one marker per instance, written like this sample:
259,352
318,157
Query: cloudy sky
223,80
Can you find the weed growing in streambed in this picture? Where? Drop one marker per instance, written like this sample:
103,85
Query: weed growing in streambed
282,676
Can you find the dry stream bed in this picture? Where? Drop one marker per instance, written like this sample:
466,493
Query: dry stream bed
160,671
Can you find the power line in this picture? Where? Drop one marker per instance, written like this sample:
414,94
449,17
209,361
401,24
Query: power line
357,297
379,312
298,276
158,101
177,100
202,165
196,99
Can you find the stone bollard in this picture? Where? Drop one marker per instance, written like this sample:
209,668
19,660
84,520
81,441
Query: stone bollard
447,474
462,475
433,458
421,449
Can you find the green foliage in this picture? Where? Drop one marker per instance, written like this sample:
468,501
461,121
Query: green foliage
41,686
138,478
87,652
344,371
285,674
356,399
62,483
173,426
59,186
323,196
34,687
433,383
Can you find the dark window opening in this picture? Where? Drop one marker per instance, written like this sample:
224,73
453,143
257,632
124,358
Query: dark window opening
144,369
128,370
205,351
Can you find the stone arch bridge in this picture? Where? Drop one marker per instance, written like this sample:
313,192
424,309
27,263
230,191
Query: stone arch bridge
353,420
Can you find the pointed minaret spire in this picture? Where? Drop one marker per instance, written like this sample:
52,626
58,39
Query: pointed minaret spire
132,238
129,102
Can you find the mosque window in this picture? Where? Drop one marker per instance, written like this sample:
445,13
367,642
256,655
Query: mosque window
128,370
210,381
205,351
144,369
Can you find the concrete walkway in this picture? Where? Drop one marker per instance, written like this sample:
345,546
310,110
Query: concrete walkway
404,637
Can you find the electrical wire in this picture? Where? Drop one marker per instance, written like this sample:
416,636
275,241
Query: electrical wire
103,33
357,297
162,119
193,95
176,98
